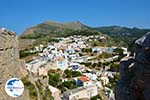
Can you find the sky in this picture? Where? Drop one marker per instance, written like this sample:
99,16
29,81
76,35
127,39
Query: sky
18,15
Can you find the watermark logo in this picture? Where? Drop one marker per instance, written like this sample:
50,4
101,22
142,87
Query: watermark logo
14,87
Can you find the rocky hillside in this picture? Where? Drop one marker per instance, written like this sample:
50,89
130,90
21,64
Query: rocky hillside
52,29
25,43
10,64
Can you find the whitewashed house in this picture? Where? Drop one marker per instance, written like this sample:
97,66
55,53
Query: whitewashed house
55,92
86,92
62,63
104,79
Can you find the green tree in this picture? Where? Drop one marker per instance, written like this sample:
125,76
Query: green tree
105,55
113,81
47,94
94,65
75,73
87,50
70,84
68,73
118,51
54,79
61,87
115,67
31,87
96,97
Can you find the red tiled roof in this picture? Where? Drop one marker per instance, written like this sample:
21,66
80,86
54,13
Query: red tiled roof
61,59
83,78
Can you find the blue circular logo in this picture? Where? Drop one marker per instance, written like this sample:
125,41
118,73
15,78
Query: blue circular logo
14,87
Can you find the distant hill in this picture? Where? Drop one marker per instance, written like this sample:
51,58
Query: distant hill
53,29
121,31
123,35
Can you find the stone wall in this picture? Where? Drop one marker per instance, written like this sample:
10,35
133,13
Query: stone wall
10,64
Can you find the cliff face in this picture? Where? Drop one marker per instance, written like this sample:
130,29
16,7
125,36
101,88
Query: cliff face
10,64
135,73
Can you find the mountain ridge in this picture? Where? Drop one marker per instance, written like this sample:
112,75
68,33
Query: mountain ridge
51,26
77,25
122,35
125,34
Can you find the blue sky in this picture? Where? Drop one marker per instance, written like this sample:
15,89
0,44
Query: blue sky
17,15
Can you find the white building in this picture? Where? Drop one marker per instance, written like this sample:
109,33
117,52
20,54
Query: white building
97,50
99,84
84,81
90,76
104,79
34,65
43,71
55,92
81,93
62,63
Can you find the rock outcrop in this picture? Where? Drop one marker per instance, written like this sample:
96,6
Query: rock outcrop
10,64
134,83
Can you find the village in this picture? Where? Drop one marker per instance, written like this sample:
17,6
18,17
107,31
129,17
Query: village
77,70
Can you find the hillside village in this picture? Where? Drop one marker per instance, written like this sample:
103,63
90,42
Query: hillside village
75,50
75,69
